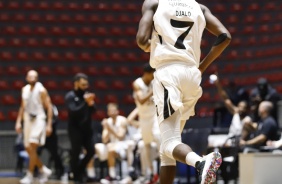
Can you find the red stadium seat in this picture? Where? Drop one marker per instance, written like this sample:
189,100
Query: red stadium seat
116,57
8,100
66,85
58,99
100,56
40,30
45,71
43,5
79,18
248,30
2,42
2,117
50,85
87,6
54,56
132,7
116,31
58,6
99,115
63,115
131,31
109,43
116,7
94,18
138,71
12,70
92,71
18,84
13,5
26,68
71,31
100,85
12,115
6,56
249,19
117,85
86,31
35,18
50,18
236,7
94,43
57,30
76,69
122,43
107,71
4,17
25,30
131,56
28,5
60,70
70,56
110,98
65,18
124,18
232,19
4,85
100,31
77,42
73,6
270,6
62,42
85,56
219,8
22,56
102,7
253,7
128,99
109,19
10,30
123,71
38,56
32,42
16,42
265,18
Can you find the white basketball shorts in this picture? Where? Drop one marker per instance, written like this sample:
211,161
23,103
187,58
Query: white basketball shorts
176,86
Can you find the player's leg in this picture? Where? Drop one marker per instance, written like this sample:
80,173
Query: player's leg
112,155
88,143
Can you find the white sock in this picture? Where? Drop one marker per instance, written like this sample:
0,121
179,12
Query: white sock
112,172
91,172
130,168
192,158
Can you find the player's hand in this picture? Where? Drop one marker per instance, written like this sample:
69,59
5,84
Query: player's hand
49,130
242,143
104,123
18,127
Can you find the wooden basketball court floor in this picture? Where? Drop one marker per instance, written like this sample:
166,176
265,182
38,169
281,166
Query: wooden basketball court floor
16,181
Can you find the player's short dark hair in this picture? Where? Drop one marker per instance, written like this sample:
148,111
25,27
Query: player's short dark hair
147,68
79,76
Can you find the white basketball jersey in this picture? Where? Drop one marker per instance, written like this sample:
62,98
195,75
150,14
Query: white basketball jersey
32,100
146,110
177,33
115,126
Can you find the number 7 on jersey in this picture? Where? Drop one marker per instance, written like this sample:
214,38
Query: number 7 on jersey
181,24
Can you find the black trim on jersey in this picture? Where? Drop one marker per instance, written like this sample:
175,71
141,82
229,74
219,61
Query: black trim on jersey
168,110
161,39
221,38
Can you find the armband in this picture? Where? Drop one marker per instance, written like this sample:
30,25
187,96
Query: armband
221,38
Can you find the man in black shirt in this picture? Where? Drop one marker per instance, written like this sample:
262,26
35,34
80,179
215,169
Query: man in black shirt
80,105
256,134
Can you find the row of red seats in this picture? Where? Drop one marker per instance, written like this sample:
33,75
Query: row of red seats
72,70
68,43
71,6
64,18
71,31
71,56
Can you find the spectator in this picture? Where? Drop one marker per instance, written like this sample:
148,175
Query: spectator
115,143
257,134
263,92
239,113
80,105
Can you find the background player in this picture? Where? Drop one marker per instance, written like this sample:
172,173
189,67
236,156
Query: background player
172,32
35,100
143,92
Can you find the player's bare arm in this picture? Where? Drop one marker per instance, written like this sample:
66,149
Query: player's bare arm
18,126
146,24
105,133
131,118
228,103
141,98
256,140
120,134
48,106
214,26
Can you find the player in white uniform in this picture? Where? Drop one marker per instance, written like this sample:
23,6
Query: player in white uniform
115,143
35,100
143,92
172,30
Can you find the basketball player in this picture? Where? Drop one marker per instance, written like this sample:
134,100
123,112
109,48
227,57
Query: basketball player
143,92
35,100
172,31
115,143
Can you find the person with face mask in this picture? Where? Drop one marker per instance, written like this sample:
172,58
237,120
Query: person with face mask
80,105
34,101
